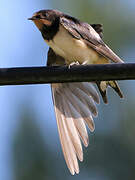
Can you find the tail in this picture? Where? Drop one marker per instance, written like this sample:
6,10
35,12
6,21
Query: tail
74,105
102,86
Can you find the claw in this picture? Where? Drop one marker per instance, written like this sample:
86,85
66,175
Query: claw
73,64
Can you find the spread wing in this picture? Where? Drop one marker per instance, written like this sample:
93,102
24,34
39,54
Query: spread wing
88,34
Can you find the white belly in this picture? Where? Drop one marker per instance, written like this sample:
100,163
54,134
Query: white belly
72,49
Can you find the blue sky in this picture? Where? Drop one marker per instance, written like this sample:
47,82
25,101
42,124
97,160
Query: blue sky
21,45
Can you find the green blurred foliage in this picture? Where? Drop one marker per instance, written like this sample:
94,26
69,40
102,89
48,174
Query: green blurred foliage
118,23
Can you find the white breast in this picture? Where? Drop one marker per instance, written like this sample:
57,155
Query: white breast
70,48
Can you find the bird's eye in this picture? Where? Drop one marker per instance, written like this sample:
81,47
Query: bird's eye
38,16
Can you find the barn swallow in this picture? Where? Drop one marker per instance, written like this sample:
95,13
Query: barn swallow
73,41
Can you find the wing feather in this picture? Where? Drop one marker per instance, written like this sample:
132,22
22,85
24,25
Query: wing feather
80,125
89,89
88,101
82,109
62,140
66,143
73,109
72,129
86,32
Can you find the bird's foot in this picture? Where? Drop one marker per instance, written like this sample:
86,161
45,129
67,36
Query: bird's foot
73,64
85,62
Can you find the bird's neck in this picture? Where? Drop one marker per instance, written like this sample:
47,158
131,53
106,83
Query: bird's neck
48,32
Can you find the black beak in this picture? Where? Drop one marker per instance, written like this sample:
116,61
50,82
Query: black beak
32,18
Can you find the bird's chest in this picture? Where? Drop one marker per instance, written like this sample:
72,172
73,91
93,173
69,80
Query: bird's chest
70,48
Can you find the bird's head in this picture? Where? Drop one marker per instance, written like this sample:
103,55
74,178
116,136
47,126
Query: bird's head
45,18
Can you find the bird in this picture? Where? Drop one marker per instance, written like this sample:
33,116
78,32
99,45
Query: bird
72,42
